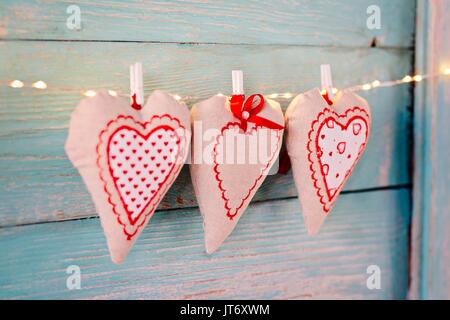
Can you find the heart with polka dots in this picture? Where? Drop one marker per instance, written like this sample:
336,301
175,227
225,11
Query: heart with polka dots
335,145
128,159
138,162
141,164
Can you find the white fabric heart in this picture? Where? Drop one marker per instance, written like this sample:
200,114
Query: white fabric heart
128,159
324,144
229,165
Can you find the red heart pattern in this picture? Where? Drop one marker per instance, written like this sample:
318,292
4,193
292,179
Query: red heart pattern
336,143
338,150
140,164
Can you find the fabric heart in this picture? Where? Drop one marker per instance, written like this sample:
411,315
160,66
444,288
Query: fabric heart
324,143
229,164
128,159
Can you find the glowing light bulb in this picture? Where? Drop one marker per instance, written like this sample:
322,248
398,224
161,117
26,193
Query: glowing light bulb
90,93
177,97
366,86
417,78
407,79
112,93
39,85
335,90
220,94
376,84
16,84
447,72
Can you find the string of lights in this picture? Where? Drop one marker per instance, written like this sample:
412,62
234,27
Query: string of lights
42,85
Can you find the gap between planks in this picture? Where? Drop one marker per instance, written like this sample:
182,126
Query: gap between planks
194,43
405,186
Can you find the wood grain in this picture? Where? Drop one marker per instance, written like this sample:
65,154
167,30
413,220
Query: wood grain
40,184
430,263
268,256
319,22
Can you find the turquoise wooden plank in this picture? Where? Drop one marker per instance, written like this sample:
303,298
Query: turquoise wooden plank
320,22
268,256
38,182
430,236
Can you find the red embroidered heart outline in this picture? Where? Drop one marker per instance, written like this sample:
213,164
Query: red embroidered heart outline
217,165
131,224
146,171
320,170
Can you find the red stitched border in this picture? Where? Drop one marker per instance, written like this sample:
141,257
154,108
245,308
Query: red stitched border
265,169
327,204
133,221
143,125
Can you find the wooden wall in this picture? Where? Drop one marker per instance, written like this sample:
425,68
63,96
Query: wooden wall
430,243
47,219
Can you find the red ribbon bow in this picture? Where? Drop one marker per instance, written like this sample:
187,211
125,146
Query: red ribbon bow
246,113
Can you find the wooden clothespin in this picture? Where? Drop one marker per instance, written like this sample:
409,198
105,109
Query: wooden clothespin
238,82
327,83
136,86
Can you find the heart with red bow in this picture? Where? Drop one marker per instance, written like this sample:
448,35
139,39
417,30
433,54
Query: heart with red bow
244,140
